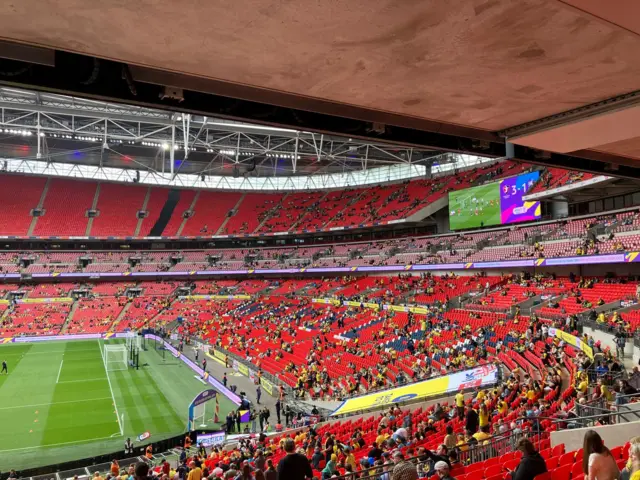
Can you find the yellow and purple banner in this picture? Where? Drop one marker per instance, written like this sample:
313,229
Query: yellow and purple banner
473,378
572,340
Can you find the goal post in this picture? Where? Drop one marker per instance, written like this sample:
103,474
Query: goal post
133,340
204,410
200,415
116,357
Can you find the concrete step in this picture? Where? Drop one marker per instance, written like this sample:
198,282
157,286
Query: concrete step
144,208
191,208
69,318
120,316
94,206
297,222
34,220
235,209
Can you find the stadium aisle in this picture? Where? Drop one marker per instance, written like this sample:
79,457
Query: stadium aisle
243,383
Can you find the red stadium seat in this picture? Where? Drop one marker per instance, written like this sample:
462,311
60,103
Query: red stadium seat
566,459
562,473
493,470
551,463
576,469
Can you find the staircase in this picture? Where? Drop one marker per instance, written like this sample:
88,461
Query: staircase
352,202
191,208
152,319
144,209
299,220
66,323
270,215
122,313
235,209
94,206
34,220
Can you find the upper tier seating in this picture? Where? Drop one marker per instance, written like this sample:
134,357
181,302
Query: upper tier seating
157,199
210,211
66,221
232,213
18,197
183,205
253,209
118,206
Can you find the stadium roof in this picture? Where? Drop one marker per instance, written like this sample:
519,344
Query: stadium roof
71,130
558,76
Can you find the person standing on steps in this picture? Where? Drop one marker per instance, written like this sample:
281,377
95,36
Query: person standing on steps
278,407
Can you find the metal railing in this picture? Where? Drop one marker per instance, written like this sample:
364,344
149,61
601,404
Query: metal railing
84,468
467,454
600,411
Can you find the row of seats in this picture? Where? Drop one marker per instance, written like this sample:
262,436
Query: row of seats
65,203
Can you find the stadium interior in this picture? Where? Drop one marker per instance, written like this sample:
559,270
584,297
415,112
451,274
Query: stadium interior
389,241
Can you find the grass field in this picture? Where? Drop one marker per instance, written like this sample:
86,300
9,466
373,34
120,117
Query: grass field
464,212
58,402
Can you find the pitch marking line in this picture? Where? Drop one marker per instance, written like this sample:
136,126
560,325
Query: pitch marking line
84,380
59,371
52,352
55,403
57,444
111,388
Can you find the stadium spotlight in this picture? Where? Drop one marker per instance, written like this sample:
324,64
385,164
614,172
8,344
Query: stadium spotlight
165,146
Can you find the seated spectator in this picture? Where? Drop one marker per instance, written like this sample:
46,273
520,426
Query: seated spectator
442,470
632,468
598,463
531,464
450,438
403,470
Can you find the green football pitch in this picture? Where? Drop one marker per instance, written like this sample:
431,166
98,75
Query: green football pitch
464,212
58,403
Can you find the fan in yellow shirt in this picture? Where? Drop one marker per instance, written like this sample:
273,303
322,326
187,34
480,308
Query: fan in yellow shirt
481,395
483,416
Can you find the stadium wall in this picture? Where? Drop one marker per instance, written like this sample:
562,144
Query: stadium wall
607,341
613,435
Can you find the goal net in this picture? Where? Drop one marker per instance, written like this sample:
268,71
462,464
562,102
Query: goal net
115,357
133,341
200,415
203,410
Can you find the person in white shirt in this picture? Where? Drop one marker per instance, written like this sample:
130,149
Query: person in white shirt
401,436
598,463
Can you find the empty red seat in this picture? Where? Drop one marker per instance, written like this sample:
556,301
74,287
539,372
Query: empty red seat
566,459
576,469
551,463
562,473
492,470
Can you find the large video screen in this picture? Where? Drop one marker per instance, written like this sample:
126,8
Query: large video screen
495,203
